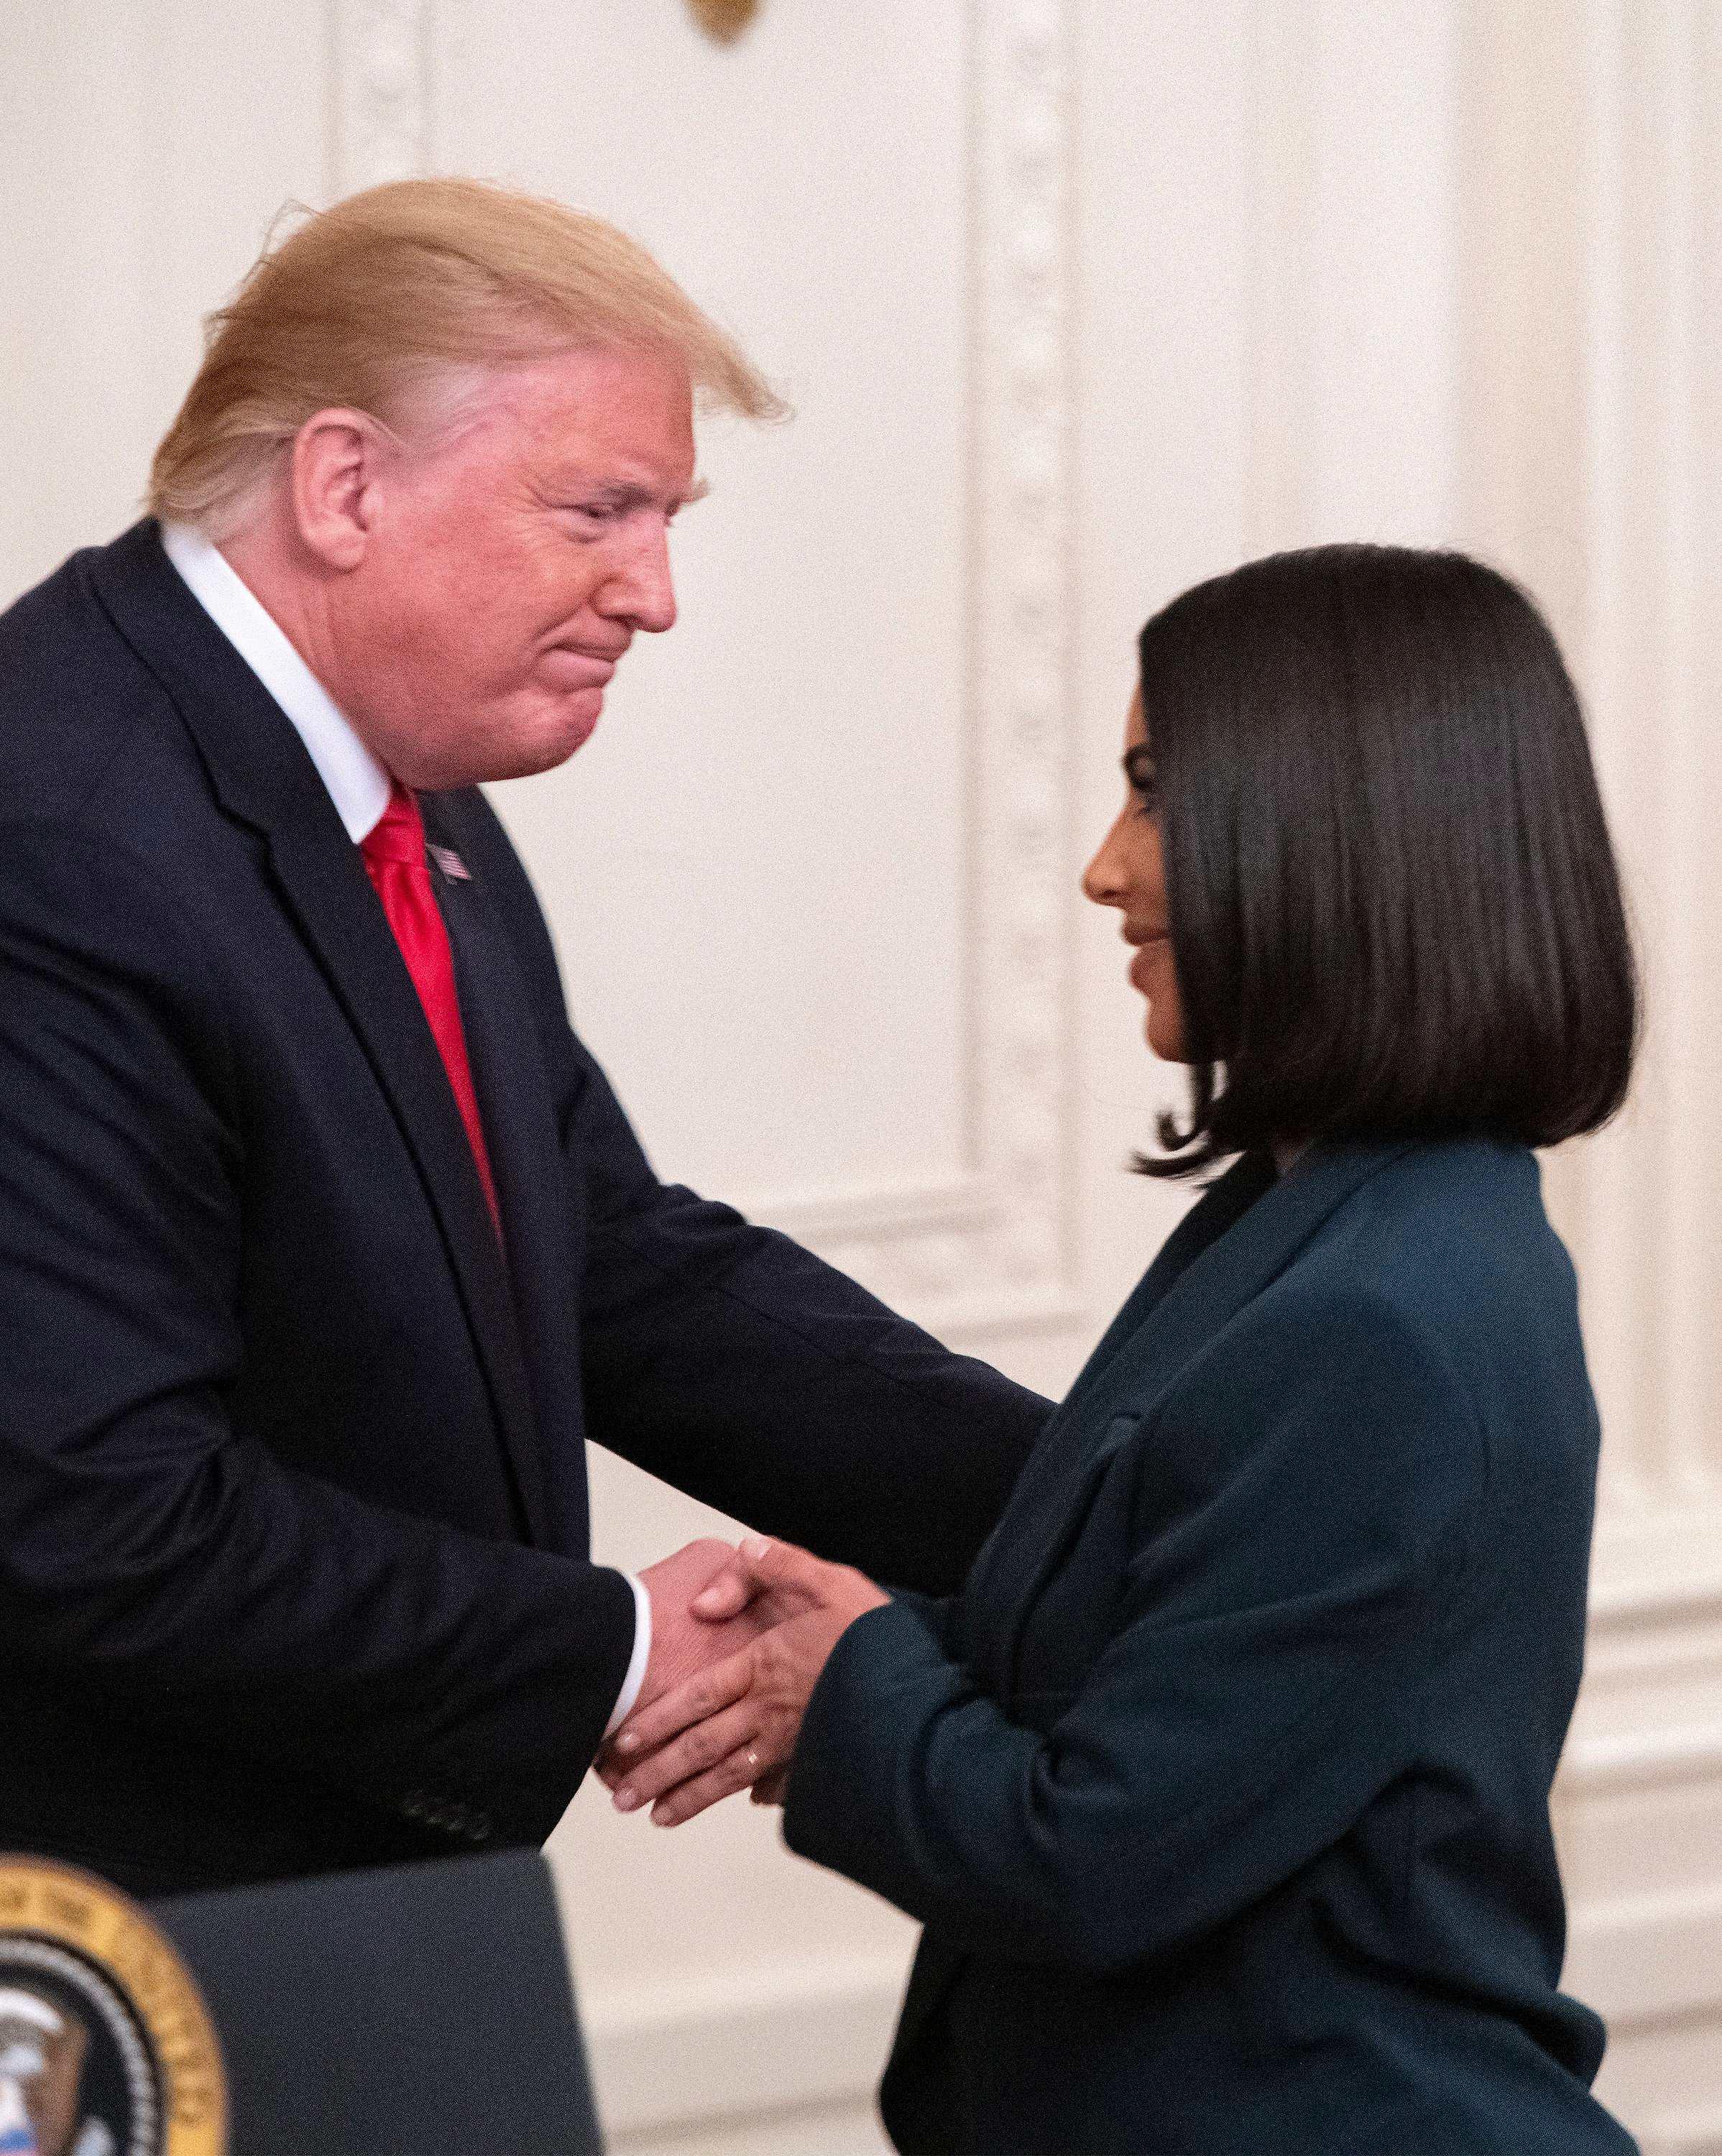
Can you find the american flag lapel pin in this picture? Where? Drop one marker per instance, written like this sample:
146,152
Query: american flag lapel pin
453,868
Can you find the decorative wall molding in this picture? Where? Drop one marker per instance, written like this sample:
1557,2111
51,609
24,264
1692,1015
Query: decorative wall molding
1626,196
992,1248
380,57
1647,1961
925,1248
992,1251
1591,137
1699,2134
743,2043
1655,1565
1021,1026
1638,1808
1644,1758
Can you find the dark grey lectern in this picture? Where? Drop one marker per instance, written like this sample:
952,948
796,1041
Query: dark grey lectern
419,2011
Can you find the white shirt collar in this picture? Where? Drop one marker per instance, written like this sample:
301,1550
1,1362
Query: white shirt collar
359,784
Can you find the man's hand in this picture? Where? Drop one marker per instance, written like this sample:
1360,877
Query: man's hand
734,1726
683,1644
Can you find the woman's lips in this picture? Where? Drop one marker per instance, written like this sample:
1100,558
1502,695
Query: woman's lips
1142,964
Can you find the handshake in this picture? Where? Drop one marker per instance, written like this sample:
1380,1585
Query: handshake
740,1637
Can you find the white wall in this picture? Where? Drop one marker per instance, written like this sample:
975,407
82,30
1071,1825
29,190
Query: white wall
1077,301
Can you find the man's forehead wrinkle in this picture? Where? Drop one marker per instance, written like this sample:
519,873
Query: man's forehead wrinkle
622,482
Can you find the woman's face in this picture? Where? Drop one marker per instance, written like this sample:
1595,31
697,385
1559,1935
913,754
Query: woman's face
1130,872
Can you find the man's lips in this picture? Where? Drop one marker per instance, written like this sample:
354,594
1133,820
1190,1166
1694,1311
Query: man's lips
569,668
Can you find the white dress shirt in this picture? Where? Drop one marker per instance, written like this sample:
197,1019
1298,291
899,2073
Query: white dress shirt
359,785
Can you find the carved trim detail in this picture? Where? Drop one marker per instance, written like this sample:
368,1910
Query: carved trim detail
381,55
991,1250
999,1255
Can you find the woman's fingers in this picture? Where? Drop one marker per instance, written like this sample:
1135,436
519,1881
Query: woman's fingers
705,1694
759,1759
734,1726
725,1779
720,1737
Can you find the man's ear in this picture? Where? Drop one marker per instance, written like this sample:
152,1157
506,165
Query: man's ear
336,465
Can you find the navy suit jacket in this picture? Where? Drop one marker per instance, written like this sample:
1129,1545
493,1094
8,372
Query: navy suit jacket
293,1514
1221,1787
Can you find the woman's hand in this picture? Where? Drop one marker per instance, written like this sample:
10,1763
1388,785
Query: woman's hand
735,1726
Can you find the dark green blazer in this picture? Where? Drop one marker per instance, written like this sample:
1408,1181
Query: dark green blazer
1221,1787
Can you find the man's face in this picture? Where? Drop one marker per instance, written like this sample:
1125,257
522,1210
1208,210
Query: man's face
507,568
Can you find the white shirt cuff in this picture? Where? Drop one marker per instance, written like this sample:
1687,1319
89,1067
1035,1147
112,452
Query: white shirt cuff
638,1660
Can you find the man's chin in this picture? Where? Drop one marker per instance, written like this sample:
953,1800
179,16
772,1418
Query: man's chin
545,746
520,750
571,736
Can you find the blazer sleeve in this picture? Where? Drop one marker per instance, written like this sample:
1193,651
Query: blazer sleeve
736,1365
1259,1688
151,1550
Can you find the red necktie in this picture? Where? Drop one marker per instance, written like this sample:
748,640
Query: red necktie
394,861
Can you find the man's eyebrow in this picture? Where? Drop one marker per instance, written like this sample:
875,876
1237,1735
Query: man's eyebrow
628,494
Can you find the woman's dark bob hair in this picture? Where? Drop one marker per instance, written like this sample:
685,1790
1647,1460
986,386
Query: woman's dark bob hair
1394,907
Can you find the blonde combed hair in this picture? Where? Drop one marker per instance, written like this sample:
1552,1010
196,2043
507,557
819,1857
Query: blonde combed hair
386,296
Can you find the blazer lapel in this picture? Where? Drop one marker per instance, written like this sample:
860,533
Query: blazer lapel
1212,1216
1232,1269
260,773
1040,1488
1242,1237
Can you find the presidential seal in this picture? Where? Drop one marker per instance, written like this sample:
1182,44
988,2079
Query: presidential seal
106,2048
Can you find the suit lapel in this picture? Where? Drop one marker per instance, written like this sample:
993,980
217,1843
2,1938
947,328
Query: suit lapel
519,1116
1243,1234
261,773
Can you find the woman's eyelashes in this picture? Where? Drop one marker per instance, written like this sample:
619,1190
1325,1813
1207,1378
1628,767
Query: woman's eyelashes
1139,775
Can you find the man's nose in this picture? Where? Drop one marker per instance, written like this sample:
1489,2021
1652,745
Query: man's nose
642,592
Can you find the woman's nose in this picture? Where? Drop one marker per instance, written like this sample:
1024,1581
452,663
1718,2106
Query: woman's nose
1101,879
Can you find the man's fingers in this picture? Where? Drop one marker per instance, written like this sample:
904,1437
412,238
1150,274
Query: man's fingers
702,1696
757,1567
727,1594
794,1577
780,1564
692,1754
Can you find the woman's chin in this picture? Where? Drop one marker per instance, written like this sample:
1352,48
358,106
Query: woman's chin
1164,1037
